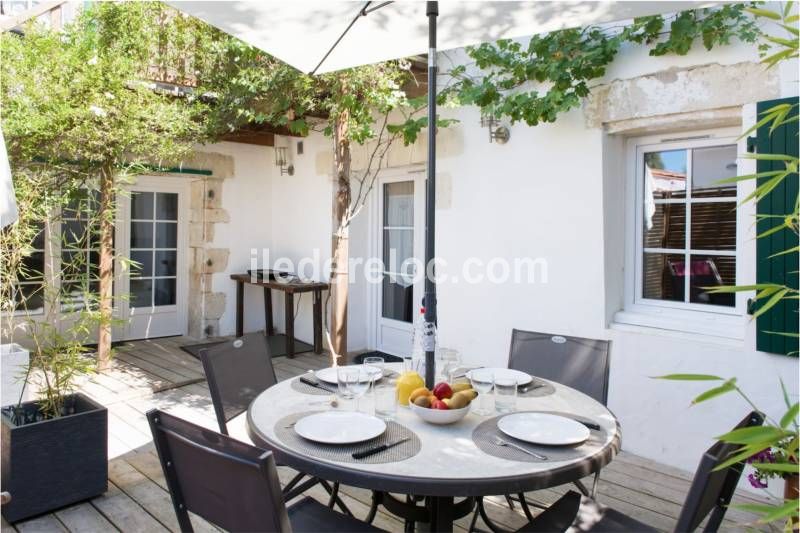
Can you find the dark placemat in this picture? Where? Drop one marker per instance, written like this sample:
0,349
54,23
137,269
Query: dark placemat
537,389
485,434
332,452
305,388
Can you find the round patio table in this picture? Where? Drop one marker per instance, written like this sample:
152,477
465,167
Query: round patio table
449,463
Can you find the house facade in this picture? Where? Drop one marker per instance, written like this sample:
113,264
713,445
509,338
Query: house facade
568,194
597,216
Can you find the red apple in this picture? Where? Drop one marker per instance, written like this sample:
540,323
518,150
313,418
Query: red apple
439,404
442,390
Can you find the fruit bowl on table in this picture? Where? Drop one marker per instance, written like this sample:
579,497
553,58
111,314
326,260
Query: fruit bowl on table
440,416
445,404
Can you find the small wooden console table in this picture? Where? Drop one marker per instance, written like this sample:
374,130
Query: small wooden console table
289,289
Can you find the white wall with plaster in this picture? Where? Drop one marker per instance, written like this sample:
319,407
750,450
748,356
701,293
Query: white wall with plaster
247,197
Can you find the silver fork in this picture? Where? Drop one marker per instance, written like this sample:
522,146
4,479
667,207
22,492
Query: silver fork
501,442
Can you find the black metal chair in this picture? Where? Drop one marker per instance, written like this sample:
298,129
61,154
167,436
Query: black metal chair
582,364
710,494
232,484
238,371
573,361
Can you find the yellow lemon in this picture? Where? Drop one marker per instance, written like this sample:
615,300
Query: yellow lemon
407,383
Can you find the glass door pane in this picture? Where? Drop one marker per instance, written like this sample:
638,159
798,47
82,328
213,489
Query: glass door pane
398,247
154,247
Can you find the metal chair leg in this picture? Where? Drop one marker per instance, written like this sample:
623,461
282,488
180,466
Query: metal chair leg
523,502
482,511
408,526
293,483
335,499
594,484
586,492
510,501
373,508
474,515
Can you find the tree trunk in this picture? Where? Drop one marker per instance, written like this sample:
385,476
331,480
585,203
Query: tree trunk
106,267
340,246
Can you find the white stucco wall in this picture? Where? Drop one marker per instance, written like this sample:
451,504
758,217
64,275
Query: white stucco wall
301,219
288,216
552,192
247,197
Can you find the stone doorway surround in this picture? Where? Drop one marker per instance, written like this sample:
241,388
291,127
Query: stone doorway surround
205,306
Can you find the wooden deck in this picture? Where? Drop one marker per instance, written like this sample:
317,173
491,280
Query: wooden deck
148,374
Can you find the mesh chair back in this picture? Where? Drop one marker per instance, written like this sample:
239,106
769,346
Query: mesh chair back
573,361
237,371
229,483
711,491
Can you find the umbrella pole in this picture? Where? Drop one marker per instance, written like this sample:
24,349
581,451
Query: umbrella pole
432,11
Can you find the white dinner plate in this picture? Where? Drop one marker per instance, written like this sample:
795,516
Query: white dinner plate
543,428
506,373
339,427
329,375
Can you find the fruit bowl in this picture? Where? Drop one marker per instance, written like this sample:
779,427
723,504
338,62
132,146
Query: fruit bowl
440,416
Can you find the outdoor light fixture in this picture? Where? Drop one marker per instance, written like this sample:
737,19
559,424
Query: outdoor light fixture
497,133
282,160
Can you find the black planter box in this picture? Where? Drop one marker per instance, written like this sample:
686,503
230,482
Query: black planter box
56,462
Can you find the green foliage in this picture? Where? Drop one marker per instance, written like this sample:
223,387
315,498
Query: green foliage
713,27
74,95
551,75
779,48
57,356
74,108
247,86
771,449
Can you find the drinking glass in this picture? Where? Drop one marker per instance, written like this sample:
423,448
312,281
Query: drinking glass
447,362
505,395
343,377
359,383
385,393
483,382
375,362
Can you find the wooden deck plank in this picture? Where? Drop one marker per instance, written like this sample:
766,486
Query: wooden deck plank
83,518
154,499
43,524
170,374
178,360
127,515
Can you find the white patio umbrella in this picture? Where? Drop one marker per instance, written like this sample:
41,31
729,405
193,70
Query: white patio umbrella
8,202
318,36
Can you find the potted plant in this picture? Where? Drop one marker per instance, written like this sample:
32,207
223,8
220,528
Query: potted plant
55,448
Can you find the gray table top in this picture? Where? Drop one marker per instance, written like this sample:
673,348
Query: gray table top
449,462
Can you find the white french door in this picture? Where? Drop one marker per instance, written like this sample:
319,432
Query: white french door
400,228
152,227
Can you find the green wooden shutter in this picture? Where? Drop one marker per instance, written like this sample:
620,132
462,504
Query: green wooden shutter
783,269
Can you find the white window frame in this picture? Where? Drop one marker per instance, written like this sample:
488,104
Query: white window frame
673,315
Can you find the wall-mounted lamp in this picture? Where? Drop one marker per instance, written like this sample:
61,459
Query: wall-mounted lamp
497,133
282,160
